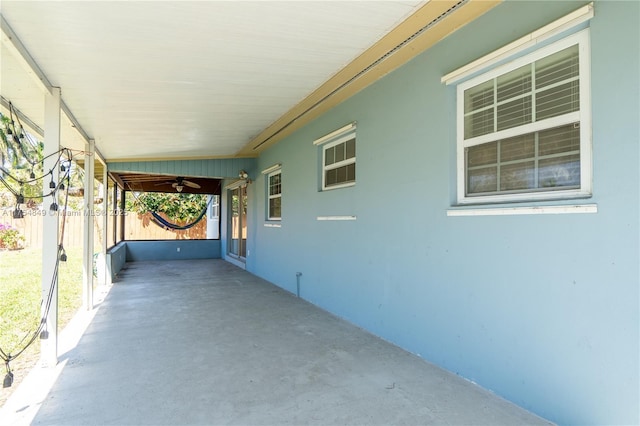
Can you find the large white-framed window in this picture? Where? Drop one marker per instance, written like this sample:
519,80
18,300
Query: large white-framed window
338,158
274,195
524,128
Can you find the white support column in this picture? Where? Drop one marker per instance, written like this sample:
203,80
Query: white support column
105,223
49,337
213,217
89,213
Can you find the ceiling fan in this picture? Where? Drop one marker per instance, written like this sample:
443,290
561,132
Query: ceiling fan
180,182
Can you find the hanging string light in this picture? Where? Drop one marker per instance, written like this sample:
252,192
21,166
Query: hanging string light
28,149
63,253
14,130
18,213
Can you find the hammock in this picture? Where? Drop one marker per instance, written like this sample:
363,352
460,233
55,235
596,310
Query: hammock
163,223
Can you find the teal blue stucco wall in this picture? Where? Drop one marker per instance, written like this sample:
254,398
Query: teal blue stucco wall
116,259
172,250
541,309
214,168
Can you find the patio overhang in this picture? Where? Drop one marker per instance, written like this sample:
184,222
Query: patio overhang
254,74
182,81
142,182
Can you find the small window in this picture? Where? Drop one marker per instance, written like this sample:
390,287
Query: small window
274,195
524,130
338,158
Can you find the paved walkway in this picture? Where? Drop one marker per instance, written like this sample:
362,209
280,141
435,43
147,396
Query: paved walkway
203,342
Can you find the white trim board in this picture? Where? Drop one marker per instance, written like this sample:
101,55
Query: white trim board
236,183
272,169
336,133
331,218
510,211
571,20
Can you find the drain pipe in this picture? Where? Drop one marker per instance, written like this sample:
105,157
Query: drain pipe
298,275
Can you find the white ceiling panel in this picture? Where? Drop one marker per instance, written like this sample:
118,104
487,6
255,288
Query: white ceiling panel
182,79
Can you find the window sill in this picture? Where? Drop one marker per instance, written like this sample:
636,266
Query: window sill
526,197
339,186
510,211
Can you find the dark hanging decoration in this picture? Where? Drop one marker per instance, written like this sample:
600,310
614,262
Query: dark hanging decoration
8,378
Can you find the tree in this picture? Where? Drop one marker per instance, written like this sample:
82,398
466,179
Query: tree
20,159
179,207
8,155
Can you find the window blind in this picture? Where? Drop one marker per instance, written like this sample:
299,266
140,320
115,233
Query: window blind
543,89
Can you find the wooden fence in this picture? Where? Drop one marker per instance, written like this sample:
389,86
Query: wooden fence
142,227
137,227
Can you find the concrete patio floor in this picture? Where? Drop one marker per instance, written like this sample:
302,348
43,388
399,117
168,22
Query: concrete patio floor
204,342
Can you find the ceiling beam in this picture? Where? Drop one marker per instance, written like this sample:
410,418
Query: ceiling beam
116,178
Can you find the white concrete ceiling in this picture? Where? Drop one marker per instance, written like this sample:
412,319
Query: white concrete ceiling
183,79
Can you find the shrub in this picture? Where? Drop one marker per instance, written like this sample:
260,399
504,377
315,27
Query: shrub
10,238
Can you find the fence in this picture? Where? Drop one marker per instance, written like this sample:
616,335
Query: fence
141,227
137,227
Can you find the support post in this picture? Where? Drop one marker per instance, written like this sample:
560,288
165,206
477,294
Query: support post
114,212
49,337
213,217
87,247
121,213
105,223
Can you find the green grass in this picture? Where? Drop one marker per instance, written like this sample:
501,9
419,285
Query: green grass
21,292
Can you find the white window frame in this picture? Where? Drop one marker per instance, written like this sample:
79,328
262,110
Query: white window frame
270,197
583,116
330,140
